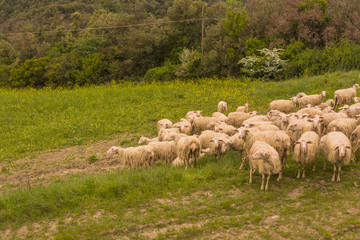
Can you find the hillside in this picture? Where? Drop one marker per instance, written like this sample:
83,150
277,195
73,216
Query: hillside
80,192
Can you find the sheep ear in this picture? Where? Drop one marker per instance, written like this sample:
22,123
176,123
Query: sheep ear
349,147
336,148
309,142
212,140
310,120
297,142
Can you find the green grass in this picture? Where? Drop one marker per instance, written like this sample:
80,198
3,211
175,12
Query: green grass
212,201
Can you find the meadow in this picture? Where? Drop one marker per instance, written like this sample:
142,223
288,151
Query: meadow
213,200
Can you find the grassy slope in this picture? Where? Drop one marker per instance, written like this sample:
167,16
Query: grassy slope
209,200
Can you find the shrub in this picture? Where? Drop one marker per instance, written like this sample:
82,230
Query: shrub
163,73
190,65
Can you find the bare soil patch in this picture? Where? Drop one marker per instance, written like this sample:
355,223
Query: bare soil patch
59,164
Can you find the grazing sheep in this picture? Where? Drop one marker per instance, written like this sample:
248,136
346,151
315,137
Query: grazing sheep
310,112
222,107
193,114
188,150
237,118
163,151
285,106
133,157
244,108
344,125
146,140
314,100
265,159
165,134
220,116
277,139
345,95
184,126
164,123
306,151
336,148
200,124
225,128
326,104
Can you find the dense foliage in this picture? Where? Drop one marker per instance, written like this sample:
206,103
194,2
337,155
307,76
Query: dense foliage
63,43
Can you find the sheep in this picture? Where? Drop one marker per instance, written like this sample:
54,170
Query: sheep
351,111
328,117
200,124
220,116
336,148
188,150
244,108
184,126
215,141
315,99
225,128
237,118
345,95
237,143
146,140
256,118
328,110
265,159
344,125
285,106
317,124
356,99
193,114
261,126
355,134
222,107
306,151
300,95
165,134
164,123
133,157
163,151
277,139
310,112
326,104
297,127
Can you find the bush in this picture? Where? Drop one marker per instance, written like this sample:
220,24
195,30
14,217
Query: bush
163,73
190,65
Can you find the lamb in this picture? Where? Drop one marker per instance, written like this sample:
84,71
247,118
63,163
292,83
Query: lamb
237,118
315,99
326,104
244,108
222,107
165,134
277,139
265,159
336,148
163,151
146,140
344,125
184,126
225,128
306,151
345,95
285,106
200,124
164,123
188,150
133,157
220,116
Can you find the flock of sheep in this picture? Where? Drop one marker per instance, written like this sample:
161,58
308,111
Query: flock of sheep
266,140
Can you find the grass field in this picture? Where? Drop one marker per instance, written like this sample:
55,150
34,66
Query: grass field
212,201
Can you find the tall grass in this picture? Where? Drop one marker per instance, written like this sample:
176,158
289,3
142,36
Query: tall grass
37,120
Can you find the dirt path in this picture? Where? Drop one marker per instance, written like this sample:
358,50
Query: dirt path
58,164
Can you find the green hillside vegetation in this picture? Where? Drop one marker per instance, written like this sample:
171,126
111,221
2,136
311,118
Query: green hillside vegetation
213,200
64,44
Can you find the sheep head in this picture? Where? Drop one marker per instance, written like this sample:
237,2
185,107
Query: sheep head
242,132
295,127
341,150
261,155
356,86
303,145
323,93
113,150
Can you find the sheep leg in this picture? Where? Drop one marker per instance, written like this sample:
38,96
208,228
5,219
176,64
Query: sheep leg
333,177
299,172
251,173
314,168
303,168
267,182
242,163
324,163
280,176
262,182
339,171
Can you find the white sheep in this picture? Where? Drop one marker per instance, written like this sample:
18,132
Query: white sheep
297,127
314,99
285,106
163,151
184,126
193,114
261,126
257,118
306,151
310,112
345,95
328,117
216,142
200,124
146,140
165,133
225,128
188,150
336,148
344,125
244,108
222,107
220,116
326,104
133,157
265,159
237,118
164,123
